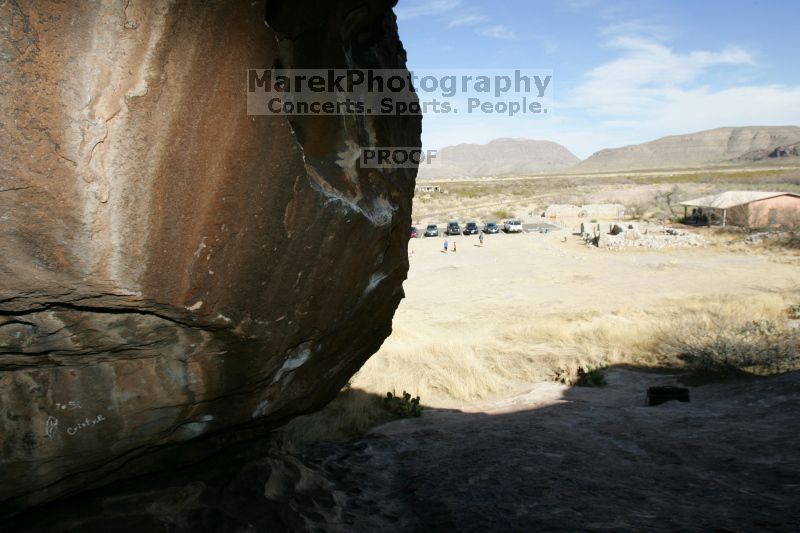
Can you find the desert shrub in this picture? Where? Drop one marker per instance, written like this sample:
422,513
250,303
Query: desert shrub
502,213
792,240
582,376
591,377
402,406
351,414
637,210
794,311
730,230
775,240
726,347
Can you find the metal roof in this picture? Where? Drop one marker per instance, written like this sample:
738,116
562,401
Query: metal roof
730,199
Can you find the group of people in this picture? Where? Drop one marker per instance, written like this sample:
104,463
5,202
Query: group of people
446,243
699,217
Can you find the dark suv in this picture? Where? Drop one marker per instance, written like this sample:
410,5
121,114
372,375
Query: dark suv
453,228
491,227
471,228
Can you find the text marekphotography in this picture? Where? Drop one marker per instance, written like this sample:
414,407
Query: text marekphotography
501,92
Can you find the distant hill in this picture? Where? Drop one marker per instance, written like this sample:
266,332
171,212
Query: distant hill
712,147
501,157
780,152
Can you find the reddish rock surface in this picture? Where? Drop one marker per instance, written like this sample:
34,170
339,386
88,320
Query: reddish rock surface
176,275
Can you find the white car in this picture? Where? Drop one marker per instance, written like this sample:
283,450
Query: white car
513,226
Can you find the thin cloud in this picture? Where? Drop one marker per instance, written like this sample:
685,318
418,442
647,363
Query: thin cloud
645,85
651,90
705,108
648,72
637,27
466,20
499,32
426,8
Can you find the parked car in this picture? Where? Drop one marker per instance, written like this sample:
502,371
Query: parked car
453,228
471,228
432,230
414,234
513,226
491,227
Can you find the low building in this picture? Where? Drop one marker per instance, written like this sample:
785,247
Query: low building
427,188
604,211
751,209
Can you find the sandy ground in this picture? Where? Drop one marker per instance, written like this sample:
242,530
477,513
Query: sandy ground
535,273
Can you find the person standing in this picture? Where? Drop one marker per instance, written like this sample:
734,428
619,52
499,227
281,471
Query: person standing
445,245
454,246
480,238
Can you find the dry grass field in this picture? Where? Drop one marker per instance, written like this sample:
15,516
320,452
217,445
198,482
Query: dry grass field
488,320
486,323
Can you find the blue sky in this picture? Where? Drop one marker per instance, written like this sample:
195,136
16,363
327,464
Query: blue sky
624,72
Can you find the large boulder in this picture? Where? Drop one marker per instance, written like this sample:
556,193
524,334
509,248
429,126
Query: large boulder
176,275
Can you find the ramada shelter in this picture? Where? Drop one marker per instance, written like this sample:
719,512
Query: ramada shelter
752,209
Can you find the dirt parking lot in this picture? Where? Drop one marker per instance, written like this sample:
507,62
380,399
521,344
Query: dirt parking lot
533,273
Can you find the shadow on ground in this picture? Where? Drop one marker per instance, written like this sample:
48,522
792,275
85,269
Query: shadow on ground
554,459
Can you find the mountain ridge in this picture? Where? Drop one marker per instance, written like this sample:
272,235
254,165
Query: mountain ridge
500,157
706,148
718,146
